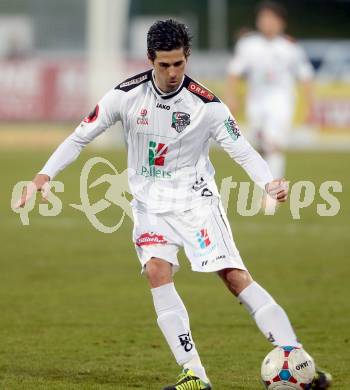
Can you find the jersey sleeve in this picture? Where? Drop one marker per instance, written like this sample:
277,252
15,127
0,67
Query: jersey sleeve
238,64
105,114
303,67
225,131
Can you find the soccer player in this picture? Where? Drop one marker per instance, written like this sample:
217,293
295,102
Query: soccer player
271,62
168,120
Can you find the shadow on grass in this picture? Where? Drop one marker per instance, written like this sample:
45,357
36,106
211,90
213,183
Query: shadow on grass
123,379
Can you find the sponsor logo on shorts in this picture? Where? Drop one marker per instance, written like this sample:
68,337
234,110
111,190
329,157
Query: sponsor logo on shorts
142,119
180,120
203,238
150,239
217,258
204,243
157,153
232,128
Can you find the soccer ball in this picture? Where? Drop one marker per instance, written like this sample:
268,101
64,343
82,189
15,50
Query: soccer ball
287,368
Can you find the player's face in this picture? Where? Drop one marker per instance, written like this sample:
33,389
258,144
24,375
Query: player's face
269,24
169,68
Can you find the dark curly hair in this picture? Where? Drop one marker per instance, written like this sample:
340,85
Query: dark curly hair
168,35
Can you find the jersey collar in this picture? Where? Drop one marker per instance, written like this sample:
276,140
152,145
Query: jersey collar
162,94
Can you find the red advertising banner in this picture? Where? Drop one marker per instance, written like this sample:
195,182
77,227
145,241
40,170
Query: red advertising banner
42,90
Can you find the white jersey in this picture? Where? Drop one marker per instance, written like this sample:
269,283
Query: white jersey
271,67
167,137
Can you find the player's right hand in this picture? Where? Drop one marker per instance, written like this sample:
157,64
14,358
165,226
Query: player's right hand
278,189
39,183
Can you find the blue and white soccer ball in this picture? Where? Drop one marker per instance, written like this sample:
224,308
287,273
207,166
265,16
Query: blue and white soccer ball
288,368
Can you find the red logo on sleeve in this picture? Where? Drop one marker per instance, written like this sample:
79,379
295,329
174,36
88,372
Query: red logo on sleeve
92,116
197,89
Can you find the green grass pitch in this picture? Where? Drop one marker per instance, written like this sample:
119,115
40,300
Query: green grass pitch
76,314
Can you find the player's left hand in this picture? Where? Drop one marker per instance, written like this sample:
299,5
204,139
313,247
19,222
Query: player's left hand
39,183
278,189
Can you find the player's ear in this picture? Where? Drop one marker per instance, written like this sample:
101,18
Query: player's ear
150,60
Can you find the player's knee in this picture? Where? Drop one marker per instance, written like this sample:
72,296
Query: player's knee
158,272
236,279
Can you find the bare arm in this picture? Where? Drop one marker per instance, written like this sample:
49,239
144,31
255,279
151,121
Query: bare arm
231,92
237,69
305,74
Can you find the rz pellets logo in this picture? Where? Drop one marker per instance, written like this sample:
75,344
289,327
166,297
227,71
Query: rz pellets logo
157,153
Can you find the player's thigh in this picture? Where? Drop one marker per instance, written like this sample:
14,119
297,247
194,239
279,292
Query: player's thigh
255,121
207,239
254,117
154,238
276,128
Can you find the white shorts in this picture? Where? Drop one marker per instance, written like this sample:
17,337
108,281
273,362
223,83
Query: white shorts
270,125
204,233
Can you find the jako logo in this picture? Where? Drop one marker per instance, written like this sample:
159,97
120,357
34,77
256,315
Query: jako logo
203,238
163,106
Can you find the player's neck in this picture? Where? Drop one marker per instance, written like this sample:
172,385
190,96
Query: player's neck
271,37
156,83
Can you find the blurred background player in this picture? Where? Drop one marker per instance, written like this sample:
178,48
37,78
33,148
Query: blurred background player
271,63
